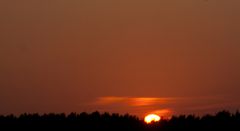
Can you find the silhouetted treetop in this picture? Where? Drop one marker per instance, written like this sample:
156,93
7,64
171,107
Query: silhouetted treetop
223,120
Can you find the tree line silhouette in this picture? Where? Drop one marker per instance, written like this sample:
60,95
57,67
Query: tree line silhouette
95,121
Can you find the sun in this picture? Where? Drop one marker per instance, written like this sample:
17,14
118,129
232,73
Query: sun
152,118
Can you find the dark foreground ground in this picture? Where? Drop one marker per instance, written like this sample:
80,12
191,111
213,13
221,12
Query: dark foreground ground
115,122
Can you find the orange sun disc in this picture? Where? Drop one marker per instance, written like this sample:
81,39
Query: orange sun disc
152,118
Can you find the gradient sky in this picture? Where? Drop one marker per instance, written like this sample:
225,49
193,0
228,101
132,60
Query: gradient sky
135,56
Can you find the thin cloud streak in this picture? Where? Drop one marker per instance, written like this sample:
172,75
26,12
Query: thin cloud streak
163,106
133,101
148,101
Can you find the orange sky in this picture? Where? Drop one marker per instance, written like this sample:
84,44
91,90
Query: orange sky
64,55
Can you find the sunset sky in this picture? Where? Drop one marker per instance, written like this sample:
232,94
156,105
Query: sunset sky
125,56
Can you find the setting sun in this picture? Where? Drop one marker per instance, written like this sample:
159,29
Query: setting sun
152,118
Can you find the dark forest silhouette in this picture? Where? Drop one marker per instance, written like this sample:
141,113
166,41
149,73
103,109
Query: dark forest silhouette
223,120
